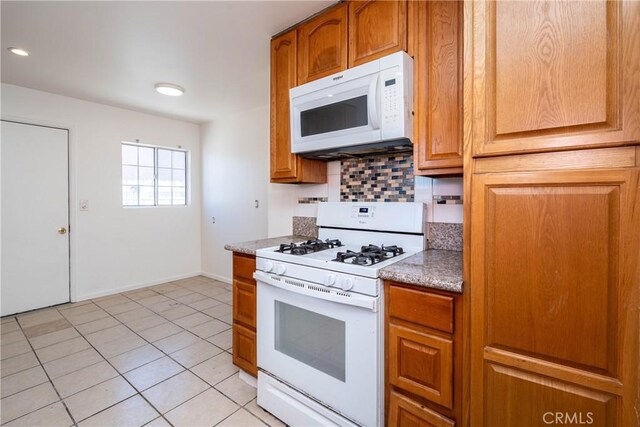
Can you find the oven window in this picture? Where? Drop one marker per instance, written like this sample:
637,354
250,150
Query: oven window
311,338
347,114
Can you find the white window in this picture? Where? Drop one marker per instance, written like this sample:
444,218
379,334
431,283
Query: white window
153,176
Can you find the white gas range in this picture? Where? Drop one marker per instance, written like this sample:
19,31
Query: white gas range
320,313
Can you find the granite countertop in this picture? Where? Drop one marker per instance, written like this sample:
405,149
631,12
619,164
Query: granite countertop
436,269
252,246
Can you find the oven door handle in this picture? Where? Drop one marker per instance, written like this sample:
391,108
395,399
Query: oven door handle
317,291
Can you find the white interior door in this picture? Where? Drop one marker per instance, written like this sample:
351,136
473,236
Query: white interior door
35,217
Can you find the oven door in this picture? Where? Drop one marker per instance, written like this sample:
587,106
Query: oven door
325,348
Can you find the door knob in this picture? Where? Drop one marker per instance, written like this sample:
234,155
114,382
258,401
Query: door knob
62,230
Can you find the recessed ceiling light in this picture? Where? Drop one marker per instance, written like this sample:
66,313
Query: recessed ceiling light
169,89
18,51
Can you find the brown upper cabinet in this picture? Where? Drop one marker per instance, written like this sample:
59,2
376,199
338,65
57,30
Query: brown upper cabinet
285,166
551,76
376,29
322,48
352,33
435,29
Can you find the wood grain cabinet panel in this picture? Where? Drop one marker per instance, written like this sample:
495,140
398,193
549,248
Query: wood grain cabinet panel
244,303
555,75
421,364
422,308
555,279
244,266
436,39
322,45
404,412
516,398
376,29
423,353
244,349
285,166
244,313
573,229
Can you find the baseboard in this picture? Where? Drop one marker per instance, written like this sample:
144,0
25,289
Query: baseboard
216,277
136,286
248,378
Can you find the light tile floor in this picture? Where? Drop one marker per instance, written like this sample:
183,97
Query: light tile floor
156,356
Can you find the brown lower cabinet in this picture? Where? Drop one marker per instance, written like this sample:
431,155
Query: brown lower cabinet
423,355
554,290
244,313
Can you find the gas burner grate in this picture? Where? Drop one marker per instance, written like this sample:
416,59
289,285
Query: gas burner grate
309,247
369,255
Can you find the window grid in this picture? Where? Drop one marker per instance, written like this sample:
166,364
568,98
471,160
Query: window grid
175,170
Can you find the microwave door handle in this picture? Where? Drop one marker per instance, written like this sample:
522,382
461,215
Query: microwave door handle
372,103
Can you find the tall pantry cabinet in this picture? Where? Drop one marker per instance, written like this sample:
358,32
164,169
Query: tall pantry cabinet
552,170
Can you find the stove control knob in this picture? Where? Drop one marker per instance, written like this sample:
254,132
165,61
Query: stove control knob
330,280
280,269
346,284
268,266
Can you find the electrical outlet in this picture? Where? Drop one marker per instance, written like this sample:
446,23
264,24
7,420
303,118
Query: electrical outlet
84,205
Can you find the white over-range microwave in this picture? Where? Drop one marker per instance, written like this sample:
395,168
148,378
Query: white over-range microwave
365,109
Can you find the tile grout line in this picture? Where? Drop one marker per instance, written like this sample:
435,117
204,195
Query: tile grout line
64,404
189,369
165,354
137,392
98,307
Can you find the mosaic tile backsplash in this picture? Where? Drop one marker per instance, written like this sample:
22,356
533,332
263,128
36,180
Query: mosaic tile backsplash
384,178
312,200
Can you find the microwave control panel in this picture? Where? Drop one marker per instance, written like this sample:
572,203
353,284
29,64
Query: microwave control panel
390,101
395,87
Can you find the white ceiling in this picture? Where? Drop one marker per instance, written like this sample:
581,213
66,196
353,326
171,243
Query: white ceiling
115,52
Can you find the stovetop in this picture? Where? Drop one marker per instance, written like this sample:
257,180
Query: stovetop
362,260
367,255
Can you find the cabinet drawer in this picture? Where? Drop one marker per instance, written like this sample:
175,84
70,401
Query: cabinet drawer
421,364
407,413
244,302
243,266
424,308
244,349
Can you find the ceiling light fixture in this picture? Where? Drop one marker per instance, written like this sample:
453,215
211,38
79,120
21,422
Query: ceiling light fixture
18,51
169,89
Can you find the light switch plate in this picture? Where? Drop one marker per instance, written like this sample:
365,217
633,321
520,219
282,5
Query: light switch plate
84,205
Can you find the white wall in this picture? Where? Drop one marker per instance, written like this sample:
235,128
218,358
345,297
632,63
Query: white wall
427,188
115,248
235,173
283,200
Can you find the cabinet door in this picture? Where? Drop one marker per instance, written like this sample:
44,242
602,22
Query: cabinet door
404,412
554,75
376,28
554,273
283,78
322,48
421,364
244,349
244,266
285,166
244,302
436,31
